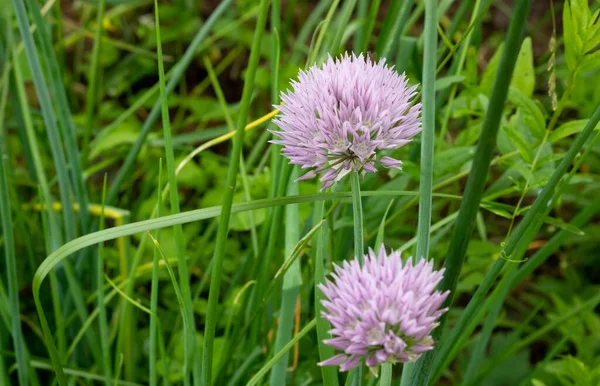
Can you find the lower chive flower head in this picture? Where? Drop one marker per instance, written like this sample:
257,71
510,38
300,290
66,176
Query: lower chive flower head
382,312
341,114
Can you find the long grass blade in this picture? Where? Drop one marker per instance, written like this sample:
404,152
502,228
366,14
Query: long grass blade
428,133
9,242
329,373
465,221
292,281
48,115
427,146
94,73
57,88
189,324
190,216
209,331
154,292
63,179
102,318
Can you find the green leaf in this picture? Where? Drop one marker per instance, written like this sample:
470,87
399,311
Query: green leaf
535,382
123,137
534,117
569,34
569,128
452,159
593,37
564,225
590,61
518,141
447,81
524,76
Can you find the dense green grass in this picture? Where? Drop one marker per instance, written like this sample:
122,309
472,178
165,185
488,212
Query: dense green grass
181,251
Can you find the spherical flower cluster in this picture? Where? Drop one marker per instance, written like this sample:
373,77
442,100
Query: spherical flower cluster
382,312
341,114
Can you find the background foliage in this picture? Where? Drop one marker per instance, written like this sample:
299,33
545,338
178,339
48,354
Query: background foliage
81,101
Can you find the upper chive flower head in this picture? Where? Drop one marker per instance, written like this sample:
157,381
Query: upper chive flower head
382,312
339,115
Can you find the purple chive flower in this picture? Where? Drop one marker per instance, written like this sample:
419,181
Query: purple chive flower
341,114
382,312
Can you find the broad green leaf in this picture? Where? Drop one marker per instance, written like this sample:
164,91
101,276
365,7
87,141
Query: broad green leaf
191,176
593,36
496,209
519,142
447,81
590,62
524,76
533,116
243,221
569,35
569,128
123,136
452,159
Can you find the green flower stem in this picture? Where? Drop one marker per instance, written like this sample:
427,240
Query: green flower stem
215,283
465,221
386,375
359,248
358,218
